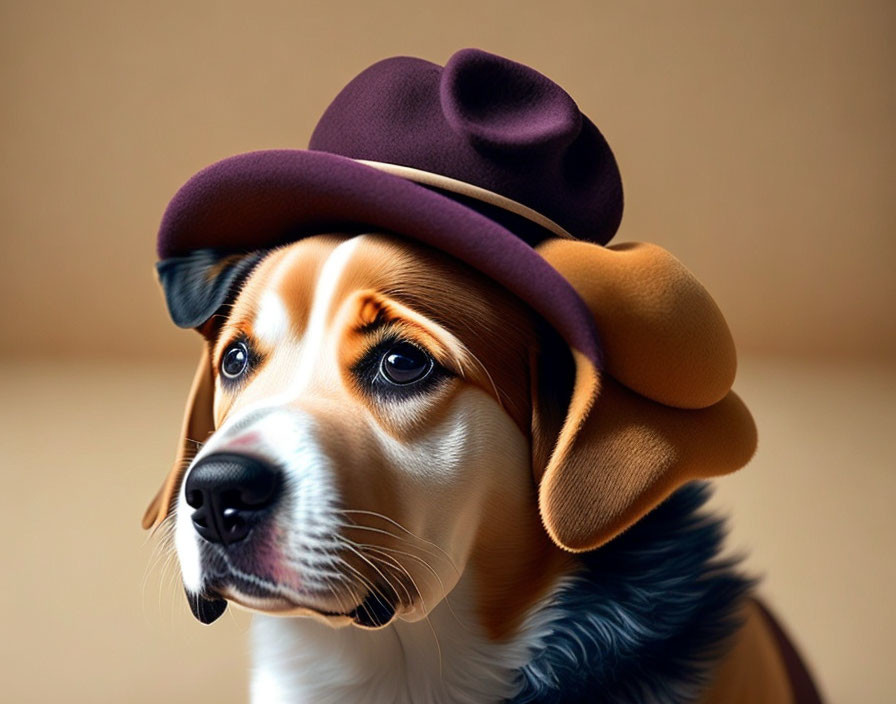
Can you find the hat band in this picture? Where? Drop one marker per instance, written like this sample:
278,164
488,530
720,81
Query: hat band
446,183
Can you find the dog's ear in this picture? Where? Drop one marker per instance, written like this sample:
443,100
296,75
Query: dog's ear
198,423
198,284
611,444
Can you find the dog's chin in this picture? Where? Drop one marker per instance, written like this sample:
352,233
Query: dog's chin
377,610
276,605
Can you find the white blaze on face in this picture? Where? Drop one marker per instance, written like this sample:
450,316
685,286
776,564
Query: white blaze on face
313,360
272,322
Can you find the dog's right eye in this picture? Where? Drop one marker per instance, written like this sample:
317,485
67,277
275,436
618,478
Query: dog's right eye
235,360
405,364
397,369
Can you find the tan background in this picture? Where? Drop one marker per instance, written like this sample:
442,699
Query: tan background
755,141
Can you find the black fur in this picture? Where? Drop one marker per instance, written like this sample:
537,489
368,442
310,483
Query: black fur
646,617
198,284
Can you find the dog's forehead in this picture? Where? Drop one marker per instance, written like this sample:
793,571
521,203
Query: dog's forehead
294,295
276,298
315,275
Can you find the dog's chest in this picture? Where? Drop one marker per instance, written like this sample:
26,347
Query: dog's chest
444,659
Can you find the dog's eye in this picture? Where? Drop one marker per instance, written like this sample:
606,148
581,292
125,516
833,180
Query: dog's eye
404,363
235,360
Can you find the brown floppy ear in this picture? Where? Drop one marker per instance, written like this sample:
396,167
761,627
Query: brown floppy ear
659,413
198,423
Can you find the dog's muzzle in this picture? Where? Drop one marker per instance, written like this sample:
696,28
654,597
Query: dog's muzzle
230,494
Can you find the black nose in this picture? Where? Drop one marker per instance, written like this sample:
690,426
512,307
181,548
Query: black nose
230,493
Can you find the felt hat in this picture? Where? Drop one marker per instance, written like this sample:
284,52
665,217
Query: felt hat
481,159
490,161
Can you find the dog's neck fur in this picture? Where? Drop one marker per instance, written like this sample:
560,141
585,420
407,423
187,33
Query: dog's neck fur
642,619
444,658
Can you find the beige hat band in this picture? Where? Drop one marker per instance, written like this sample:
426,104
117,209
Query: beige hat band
446,183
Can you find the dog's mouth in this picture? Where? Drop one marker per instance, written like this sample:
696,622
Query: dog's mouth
376,610
255,581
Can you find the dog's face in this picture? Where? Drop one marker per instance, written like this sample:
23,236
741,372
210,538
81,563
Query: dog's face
374,421
374,397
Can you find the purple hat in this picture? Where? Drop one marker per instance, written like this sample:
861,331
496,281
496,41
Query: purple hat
482,159
492,163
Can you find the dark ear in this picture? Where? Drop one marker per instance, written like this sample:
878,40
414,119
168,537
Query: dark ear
198,284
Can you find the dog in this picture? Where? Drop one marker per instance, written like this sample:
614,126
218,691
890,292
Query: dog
409,452
371,470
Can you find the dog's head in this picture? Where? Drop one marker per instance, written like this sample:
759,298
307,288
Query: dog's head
372,419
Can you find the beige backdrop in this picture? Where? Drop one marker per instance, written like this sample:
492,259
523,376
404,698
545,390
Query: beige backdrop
755,142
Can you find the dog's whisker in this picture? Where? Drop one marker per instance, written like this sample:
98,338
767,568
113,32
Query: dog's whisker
329,583
443,554
402,528
385,553
396,564
338,596
159,562
403,541
337,590
402,571
435,574
164,530
369,585
162,562
428,618
388,550
445,593
389,584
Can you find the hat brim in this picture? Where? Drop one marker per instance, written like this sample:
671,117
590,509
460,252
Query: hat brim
268,198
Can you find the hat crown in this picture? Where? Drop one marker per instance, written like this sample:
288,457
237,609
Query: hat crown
497,104
483,120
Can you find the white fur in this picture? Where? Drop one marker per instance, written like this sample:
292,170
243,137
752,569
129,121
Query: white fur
313,362
187,545
271,323
442,660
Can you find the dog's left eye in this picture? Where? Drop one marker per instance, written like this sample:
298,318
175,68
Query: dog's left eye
235,360
404,363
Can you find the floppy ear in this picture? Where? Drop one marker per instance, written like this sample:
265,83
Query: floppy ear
660,413
197,425
198,284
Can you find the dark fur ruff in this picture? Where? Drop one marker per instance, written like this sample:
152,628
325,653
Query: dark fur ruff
646,618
